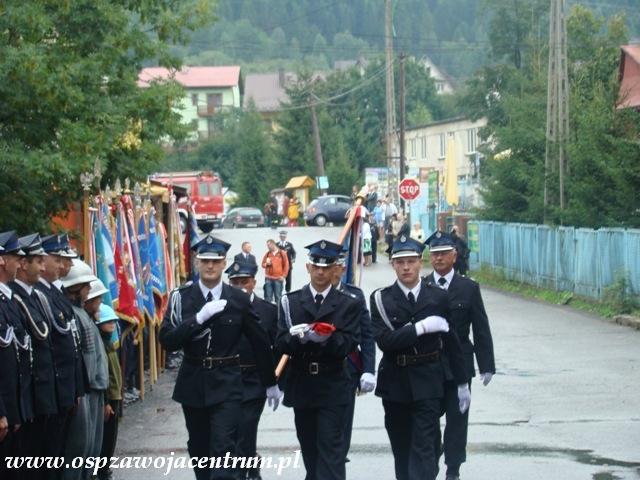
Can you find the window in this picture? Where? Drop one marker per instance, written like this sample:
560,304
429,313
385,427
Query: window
423,145
186,186
472,136
216,188
413,148
443,146
214,101
194,99
203,189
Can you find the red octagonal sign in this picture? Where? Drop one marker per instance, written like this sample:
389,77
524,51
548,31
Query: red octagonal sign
409,189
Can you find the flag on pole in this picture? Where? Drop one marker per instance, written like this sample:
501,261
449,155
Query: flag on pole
451,173
146,290
158,268
126,305
105,267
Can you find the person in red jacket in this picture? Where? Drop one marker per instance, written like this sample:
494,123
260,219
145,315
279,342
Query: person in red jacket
276,268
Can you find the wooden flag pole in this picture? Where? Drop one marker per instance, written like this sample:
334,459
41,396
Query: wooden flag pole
343,235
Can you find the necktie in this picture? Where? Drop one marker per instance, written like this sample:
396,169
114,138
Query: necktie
319,299
442,281
209,297
412,298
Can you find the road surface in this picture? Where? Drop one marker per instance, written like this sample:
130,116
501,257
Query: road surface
563,405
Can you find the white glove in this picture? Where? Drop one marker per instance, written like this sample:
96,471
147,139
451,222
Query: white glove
367,382
299,330
432,324
486,378
274,394
209,310
464,397
311,336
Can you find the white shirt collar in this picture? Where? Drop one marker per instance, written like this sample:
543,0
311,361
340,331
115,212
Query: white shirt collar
44,282
448,277
25,287
216,291
58,284
324,293
6,291
415,290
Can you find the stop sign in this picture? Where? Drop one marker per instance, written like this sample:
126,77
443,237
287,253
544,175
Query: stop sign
409,189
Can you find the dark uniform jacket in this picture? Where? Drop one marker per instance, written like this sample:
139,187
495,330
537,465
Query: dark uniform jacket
288,248
240,258
21,342
409,383
44,384
366,353
331,385
467,312
253,388
9,371
197,386
66,353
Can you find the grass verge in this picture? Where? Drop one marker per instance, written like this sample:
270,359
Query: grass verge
611,306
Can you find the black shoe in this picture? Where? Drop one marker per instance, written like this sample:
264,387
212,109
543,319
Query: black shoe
452,477
346,460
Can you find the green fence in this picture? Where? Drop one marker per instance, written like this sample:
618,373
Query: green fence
579,260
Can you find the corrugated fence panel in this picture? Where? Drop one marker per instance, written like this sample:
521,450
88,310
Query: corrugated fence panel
564,258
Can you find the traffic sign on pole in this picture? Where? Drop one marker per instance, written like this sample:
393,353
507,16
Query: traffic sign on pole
409,189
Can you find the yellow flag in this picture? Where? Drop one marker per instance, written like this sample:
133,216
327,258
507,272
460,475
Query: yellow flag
451,173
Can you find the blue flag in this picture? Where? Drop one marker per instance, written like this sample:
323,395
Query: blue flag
145,264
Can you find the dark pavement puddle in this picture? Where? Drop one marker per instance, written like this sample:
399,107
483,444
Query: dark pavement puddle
586,457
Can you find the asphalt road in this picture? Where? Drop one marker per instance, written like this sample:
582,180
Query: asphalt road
563,404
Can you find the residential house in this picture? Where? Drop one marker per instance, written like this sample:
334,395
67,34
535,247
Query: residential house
443,82
265,92
208,91
629,77
426,148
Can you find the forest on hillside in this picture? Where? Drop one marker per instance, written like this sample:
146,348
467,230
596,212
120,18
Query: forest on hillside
263,35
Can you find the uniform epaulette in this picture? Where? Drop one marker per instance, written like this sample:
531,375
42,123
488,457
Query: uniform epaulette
292,292
347,292
185,285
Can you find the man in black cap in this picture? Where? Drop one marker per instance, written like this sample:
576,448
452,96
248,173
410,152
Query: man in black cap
32,306
20,350
318,326
362,361
207,319
411,328
243,276
287,246
65,342
467,312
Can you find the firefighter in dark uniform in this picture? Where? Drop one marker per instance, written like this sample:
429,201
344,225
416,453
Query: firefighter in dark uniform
362,361
20,348
318,326
467,312
242,275
65,344
207,319
287,246
410,327
32,305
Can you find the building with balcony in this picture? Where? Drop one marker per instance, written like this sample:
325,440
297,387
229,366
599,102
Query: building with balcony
208,91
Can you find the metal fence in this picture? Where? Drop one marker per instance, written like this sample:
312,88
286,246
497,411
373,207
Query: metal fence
571,259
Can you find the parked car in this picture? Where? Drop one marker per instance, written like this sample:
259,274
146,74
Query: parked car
241,217
327,209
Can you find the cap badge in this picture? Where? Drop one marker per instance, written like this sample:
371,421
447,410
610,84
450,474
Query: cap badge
236,267
323,245
209,240
438,234
403,239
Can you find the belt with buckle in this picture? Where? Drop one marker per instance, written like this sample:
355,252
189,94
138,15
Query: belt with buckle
212,362
317,368
406,360
248,368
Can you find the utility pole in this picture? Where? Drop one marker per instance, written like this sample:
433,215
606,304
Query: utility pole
402,126
390,99
316,143
557,131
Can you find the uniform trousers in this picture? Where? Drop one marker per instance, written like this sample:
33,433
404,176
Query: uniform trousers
411,427
58,427
455,430
84,438
110,436
321,435
348,424
7,449
212,433
35,441
248,428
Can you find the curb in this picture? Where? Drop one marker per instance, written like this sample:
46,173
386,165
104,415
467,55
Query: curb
627,321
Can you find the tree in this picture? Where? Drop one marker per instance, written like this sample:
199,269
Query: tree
68,86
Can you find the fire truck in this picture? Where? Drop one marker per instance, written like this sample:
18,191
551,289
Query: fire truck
204,190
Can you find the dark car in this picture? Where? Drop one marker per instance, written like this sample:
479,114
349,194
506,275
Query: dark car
241,217
327,209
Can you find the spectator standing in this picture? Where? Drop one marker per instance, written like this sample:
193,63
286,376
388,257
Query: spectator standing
417,233
276,268
390,210
372,197
462,248
268,212
285,209
378,215
367,244
287,246
245,256
374,239
293,212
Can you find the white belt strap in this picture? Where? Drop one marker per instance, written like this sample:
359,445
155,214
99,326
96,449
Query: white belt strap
383,313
